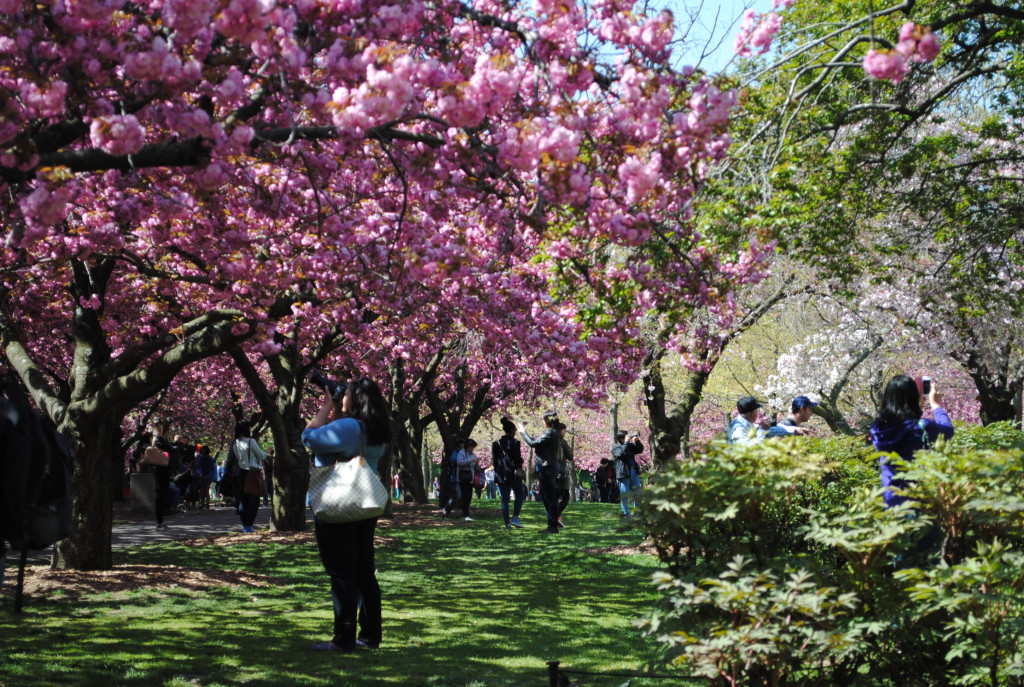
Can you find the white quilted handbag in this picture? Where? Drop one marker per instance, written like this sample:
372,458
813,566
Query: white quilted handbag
346,491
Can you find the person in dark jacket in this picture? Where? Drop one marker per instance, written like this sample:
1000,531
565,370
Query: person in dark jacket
900,429
627,470
548,448
507,456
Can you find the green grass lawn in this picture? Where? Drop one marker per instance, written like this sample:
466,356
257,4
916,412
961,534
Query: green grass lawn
464,604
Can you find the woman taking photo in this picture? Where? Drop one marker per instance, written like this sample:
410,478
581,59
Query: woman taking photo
900,428
358,424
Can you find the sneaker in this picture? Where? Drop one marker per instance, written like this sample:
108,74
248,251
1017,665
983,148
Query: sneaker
560,523
516,523
508,526
248,530
469,519
549,531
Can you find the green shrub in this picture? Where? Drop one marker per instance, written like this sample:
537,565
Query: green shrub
784,567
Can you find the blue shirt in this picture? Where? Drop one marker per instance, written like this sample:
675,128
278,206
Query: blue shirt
340,440
904,439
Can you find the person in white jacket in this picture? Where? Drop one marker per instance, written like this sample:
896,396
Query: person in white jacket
250,457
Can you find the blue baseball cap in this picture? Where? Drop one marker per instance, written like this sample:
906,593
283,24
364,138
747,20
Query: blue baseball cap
802,402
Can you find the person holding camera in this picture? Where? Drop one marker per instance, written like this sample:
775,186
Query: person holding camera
548,448
900,428
627,470
353,420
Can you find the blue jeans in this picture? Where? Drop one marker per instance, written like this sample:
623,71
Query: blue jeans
507,490
629,490
346,550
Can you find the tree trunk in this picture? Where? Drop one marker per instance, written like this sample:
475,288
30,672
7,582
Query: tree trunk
670,430
613,422
291,481
833,417
998,401
456,419
407,454
93,437
998,394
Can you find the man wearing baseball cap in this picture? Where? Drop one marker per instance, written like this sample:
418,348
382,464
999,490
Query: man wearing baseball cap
800,411
745,430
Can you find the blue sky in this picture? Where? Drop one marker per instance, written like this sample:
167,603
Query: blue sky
715,24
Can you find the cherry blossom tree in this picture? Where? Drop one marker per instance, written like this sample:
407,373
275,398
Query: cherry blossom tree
852,348
184,178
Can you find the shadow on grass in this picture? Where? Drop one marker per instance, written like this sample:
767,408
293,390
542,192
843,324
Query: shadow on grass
467,604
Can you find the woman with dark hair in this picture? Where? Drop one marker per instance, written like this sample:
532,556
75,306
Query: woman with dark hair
358,424
899,427
250,457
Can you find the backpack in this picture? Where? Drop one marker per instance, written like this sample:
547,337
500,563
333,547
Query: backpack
35,483
504,466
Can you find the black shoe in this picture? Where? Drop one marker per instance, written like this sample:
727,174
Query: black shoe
549,531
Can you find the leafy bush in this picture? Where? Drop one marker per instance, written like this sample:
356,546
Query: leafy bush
785,568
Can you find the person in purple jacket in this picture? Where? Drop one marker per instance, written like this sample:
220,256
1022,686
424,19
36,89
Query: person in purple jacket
899,428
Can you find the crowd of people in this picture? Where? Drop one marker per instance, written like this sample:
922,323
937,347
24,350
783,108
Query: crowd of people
189,477
353,421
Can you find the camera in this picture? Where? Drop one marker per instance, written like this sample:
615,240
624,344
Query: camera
337,389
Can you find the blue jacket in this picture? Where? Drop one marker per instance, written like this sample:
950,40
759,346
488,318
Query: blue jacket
340,440
904,439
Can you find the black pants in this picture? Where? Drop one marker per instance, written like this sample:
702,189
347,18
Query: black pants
466,487
548,494
162,479
248,506
346,550
563,500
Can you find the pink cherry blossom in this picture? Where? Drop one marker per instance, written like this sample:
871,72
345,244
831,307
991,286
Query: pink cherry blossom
44,102
928,47
117,134
885,64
